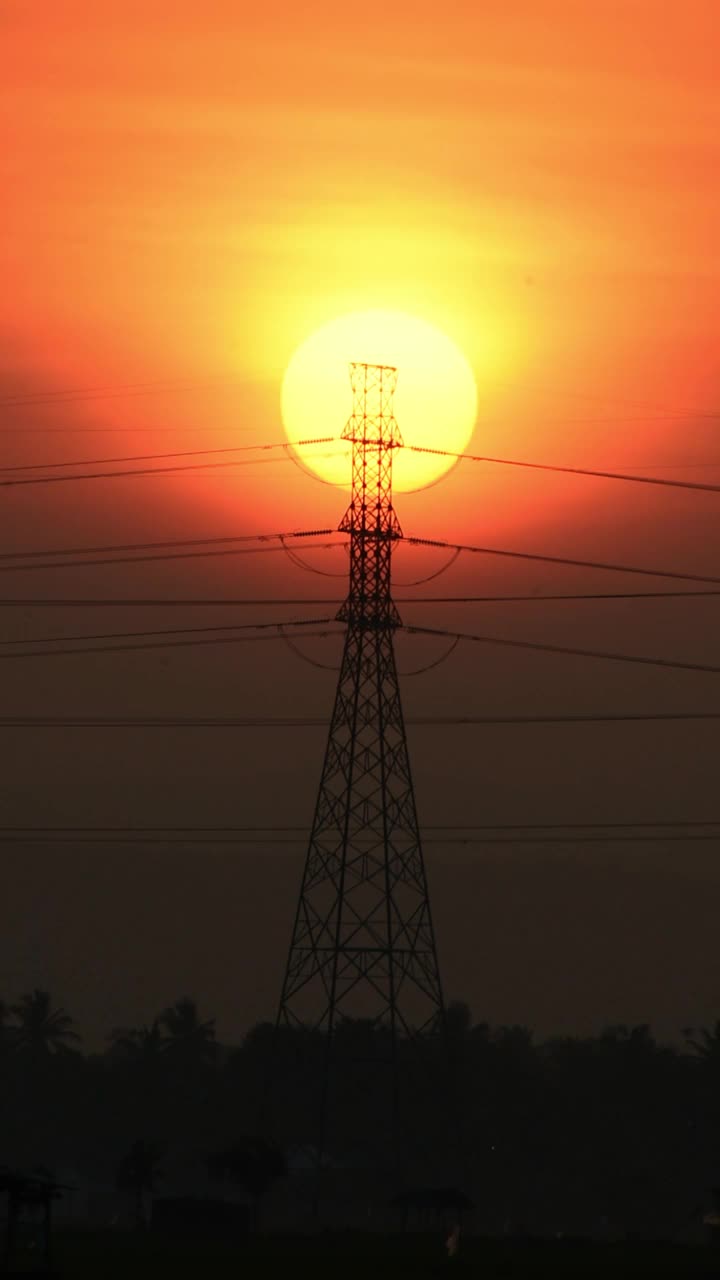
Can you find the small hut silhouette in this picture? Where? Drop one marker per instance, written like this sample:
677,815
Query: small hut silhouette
28,1192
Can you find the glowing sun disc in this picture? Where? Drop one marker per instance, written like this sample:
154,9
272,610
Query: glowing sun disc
435,401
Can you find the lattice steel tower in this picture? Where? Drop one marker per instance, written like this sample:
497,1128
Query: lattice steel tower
363,945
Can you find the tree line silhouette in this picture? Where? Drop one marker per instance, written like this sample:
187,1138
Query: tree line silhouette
566,1134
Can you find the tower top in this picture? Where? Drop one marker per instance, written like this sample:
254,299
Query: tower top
379,368
370,519
372,421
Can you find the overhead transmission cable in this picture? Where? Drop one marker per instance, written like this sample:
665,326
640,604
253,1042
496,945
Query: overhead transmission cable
287,445
565,650
30,560
159,546
317,722
412,541
299,563
167,631
204,466
306,657
563,560
246,601
157,385
435,662
418,582
147,471
330,666
502,641
145,559
81,836
575,471
113,391
148,457
671,824
266,631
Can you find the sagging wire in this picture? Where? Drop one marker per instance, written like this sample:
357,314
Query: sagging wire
417,582
328,666
313,662
289,452
430,666
431,484
310,568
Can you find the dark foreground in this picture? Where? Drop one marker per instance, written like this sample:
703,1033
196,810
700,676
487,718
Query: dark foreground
341,1255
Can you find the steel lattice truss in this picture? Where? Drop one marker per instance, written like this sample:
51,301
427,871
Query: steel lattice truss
363,942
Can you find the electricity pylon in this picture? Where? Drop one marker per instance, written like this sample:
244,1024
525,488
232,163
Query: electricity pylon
363,945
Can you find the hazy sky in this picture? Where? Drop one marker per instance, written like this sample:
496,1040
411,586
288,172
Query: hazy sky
189,190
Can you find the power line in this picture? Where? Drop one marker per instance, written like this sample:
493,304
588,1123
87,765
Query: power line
145,559
259,839
564,560
141,601
168,631
317,722
147,471
161,546
299,563
538,599
546,831
412,541
171,644
115,391
147,457
302,828
436,662
566,650
410,630
428,577
184,384
242,602
109,429
119,390
682,466
574,471
312,662
513,462
85,462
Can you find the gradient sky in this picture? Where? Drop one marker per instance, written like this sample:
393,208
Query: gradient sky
189,190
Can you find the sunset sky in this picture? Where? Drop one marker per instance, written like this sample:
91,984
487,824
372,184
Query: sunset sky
190,190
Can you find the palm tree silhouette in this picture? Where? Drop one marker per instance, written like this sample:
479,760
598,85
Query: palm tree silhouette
708,1046
140,1058
42,1030
143,1045
189,1038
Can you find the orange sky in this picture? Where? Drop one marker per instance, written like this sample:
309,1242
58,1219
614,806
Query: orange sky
190,188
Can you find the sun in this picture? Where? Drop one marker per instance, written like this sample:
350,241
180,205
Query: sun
435,400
